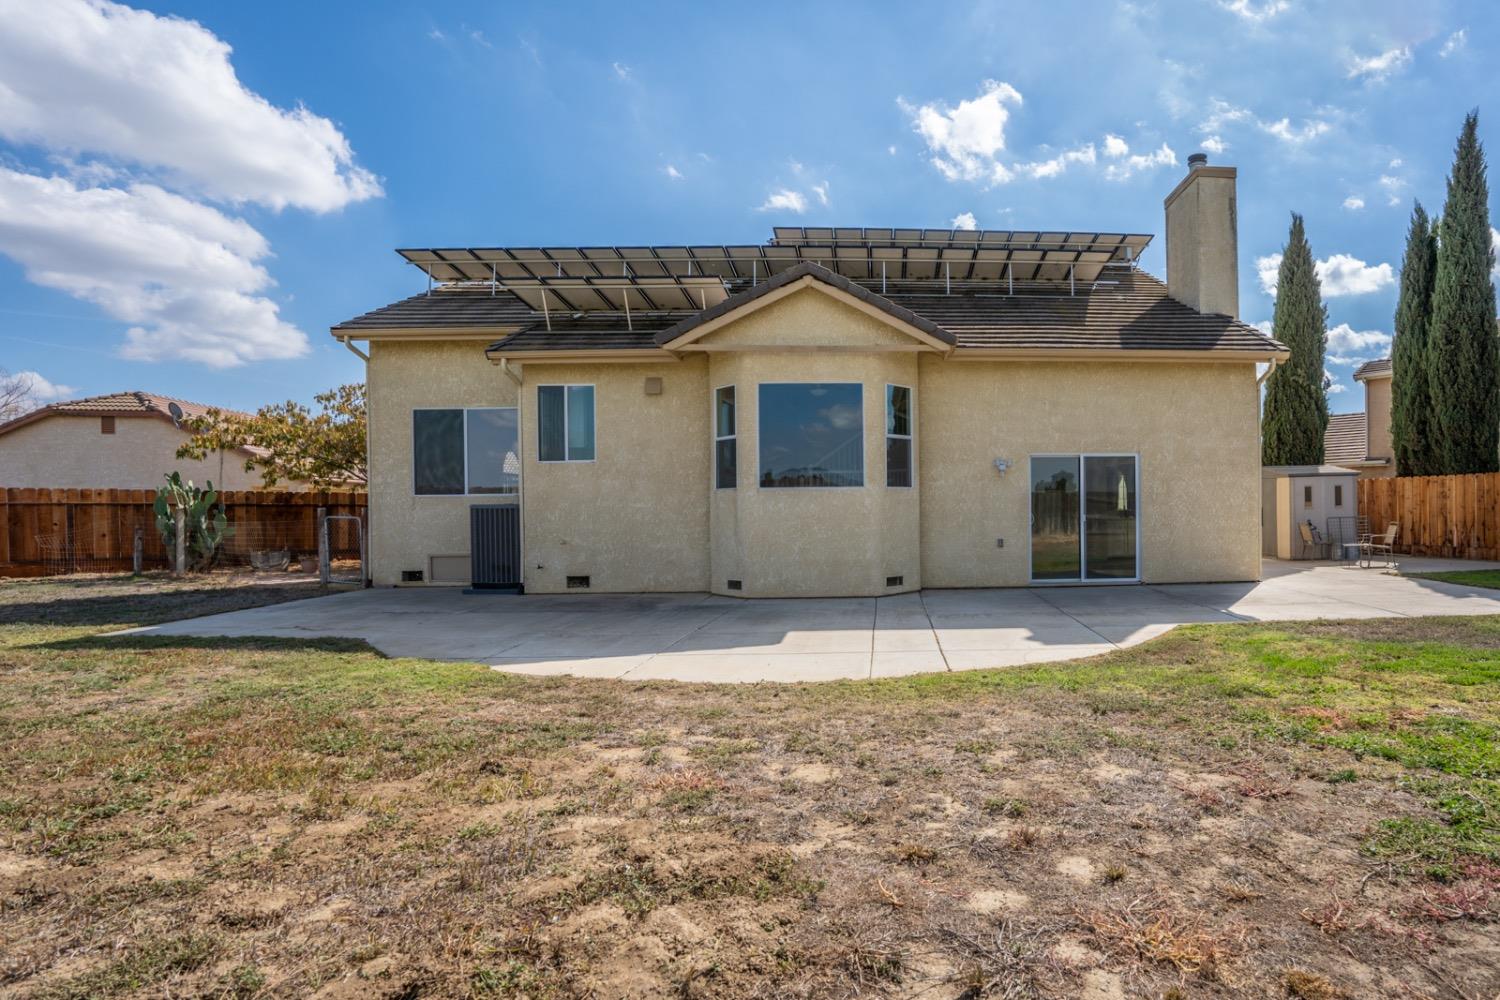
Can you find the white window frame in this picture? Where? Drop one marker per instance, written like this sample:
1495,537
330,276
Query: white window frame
713,416
593,416
910,436
465,423
864,472
1083,524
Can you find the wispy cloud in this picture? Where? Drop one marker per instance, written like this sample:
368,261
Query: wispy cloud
1455,43
621,70
1127,163
1392,185
1282,129
1378,67
1255,12
1222,116
965,221
821,190
672,172
784,200
1354,203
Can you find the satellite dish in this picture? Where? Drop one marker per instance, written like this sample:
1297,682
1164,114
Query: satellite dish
175,412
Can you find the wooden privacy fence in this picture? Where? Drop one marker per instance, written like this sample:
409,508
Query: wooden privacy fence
1453,516
94,530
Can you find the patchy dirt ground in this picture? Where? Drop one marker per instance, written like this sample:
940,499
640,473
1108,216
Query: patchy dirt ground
1231,811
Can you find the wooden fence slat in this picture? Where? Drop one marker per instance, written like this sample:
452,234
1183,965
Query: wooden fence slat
1454,516
99,524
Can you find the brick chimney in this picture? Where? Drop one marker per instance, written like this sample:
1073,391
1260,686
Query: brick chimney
1203,268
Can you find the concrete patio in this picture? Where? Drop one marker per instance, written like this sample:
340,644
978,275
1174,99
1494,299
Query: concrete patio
700,637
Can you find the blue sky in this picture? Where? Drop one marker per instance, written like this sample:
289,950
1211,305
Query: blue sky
192,193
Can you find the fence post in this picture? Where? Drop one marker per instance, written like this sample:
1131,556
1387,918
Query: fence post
179,561
137,551
322,529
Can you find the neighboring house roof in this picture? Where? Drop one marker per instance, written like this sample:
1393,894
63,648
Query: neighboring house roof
1120,310
1345,440
134,403
1379,368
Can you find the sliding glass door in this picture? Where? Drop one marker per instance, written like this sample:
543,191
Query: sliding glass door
1083,518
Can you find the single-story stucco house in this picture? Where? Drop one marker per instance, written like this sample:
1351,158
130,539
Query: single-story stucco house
123,440
835,412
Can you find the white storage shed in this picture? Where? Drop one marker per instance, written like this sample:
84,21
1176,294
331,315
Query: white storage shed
1323,496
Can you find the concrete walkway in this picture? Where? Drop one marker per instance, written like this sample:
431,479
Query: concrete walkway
699,637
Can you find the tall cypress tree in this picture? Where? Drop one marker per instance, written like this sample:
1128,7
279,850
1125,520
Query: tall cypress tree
1296,411
1412,432
1462,344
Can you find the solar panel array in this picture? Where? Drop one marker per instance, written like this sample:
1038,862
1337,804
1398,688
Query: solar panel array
693,277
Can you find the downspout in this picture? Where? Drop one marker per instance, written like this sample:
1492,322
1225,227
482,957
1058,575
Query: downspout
1269,369
354,350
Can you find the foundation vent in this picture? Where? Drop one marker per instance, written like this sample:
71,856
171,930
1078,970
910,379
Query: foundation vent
895,581
578,583
411,576
734,585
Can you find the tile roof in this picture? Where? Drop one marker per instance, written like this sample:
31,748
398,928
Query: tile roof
790,275
1126,310
447,306
1344,440
1379,368
134,403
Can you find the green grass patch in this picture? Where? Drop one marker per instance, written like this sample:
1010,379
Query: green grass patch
1467,577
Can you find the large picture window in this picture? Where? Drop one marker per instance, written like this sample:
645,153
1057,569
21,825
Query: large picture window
565,423
457,451
726,457
897,435
811,434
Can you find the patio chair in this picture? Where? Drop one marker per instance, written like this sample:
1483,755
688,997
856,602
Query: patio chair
1383,545
1312,539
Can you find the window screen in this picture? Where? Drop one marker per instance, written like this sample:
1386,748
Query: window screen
897,435
438,452
565,423
726,450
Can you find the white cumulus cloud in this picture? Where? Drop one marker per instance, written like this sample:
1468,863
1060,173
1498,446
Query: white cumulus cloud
145,122
39,390
965,141
965,220
1378,67
1354,203
1213,144
1348,346
785,200
1114,146
1085,154
183,274
1339,275
1282,129
160,93
673,172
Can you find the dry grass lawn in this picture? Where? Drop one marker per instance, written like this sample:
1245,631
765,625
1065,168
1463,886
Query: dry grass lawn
1261,811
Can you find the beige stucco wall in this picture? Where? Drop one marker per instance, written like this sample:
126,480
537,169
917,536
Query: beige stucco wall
1378,426
635,518
406,529
1203,242
1194,426
644,516
69,452
814,542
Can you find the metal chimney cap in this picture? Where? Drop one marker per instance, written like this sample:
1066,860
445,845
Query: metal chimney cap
1196,160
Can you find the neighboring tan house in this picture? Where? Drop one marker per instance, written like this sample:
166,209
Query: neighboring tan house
125,440
1362,441
835,412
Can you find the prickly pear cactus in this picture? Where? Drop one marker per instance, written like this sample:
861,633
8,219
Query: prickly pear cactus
205,523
